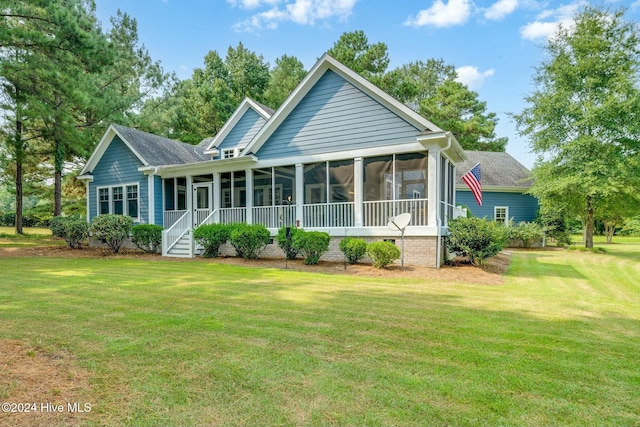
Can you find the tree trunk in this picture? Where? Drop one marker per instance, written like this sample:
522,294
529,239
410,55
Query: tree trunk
57,193
609,229
589,226
19,157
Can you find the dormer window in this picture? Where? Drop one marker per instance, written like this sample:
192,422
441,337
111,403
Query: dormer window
229,153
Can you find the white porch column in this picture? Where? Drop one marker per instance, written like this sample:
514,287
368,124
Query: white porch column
299,193
433,185
358,190
190,198
249,181
216,196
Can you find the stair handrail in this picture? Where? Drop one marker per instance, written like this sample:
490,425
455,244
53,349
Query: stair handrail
209,219
173,234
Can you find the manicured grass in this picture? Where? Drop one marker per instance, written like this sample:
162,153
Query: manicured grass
183,343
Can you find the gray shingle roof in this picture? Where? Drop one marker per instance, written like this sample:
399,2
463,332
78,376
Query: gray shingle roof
157,150
496,169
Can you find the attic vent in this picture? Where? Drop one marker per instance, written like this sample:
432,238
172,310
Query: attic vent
230,153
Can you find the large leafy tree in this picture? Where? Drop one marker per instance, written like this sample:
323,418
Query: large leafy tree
583,118
285,76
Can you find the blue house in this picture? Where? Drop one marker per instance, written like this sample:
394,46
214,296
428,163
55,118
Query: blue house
339,155
505,183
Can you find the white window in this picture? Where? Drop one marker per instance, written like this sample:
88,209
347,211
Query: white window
111,200
229,153
501,214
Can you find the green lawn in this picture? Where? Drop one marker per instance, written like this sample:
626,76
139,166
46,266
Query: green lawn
183,343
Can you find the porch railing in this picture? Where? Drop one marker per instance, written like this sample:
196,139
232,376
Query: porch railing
173,234
274,216
324,215
378,213
170,218
229,215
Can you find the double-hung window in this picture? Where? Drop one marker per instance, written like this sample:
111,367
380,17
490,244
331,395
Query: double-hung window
119,200
501,214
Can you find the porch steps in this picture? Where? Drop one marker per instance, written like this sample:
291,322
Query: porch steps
181,248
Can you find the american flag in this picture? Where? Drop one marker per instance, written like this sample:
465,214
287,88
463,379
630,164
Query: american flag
472,179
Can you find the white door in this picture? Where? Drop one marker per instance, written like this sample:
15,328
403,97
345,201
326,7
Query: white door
201,202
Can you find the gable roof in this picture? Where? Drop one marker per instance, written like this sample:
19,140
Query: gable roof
151,150
262,110
325,63
498,171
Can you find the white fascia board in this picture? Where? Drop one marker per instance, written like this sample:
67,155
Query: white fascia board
88,178
444,140
206,167
102,146
325,63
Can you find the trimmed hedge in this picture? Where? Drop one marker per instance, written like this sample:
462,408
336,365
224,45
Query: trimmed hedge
249,240
353,249
211,237
147,237
74,230
476,238
312,244
382,253
111,230
290,251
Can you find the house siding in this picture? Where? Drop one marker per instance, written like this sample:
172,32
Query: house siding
119,165
336,116
242,133
522,207
157,201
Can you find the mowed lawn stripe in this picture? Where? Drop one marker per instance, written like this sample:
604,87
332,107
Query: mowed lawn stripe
203,343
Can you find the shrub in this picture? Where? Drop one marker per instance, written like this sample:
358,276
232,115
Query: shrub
249,239
312,244
74,230
476,238
111,230
382,253
555,225
527,233
353,249
147,237
290,251
211,237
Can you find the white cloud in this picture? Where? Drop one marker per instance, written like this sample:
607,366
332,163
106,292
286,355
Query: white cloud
455,12
546,29
470,76
500,9
252,4
302,12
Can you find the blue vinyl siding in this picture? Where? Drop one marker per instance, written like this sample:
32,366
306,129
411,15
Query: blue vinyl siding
242,133
522,207
336,116
119,165
157,201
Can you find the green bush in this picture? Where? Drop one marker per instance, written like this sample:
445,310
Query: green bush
476,238
73,229
382,253
526,232
211,237
555,225
147,237
312,244
111,230
353,249
249,240
290,252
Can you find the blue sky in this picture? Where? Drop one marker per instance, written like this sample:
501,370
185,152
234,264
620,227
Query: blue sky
495,44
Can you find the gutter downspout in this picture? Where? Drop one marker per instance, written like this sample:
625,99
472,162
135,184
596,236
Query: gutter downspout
438,210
